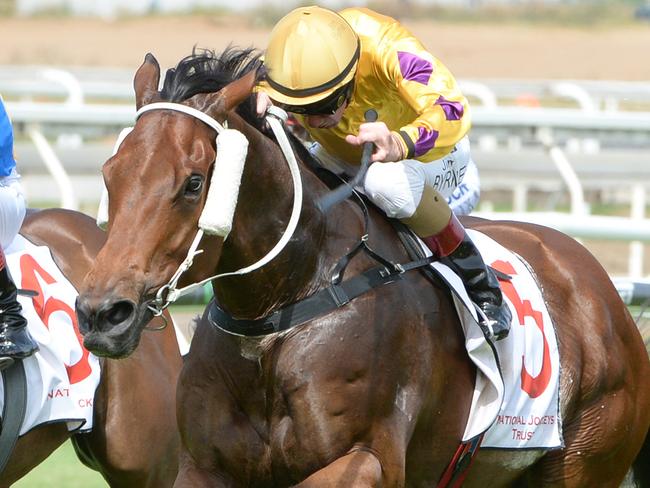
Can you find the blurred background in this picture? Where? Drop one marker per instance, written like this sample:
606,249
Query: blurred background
560,93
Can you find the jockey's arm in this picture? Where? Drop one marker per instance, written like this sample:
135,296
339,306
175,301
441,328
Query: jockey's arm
423,83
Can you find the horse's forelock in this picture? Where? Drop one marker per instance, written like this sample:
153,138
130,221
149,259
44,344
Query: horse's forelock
204,71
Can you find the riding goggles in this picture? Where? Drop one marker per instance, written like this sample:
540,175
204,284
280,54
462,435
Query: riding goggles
327,106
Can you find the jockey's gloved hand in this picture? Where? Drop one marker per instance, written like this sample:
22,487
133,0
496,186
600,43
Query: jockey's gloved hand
388,147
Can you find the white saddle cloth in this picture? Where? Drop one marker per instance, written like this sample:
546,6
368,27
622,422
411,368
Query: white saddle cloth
62,375
518,405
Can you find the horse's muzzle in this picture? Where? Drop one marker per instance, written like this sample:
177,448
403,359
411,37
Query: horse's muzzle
110,329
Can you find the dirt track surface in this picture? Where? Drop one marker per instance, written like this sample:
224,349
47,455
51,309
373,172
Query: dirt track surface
470,51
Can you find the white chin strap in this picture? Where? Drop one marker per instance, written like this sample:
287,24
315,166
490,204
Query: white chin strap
221,201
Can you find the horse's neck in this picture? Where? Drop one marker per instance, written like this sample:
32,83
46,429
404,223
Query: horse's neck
263,211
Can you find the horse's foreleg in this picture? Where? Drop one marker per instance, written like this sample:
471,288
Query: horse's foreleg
358,469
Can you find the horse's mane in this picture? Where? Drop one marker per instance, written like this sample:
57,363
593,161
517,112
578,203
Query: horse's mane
204,71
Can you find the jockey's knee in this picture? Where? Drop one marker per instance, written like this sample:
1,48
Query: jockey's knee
393,188
12,209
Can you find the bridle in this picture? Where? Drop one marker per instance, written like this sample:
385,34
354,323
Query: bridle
217,214
169,292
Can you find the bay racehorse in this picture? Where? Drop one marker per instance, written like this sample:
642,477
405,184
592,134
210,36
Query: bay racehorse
134,441
373,393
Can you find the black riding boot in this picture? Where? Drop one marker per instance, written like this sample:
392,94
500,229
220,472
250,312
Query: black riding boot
15,341
457,251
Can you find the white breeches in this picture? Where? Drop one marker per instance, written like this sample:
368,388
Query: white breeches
397,187
12,208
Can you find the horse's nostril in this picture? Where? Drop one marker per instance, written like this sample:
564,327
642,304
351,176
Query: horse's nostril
119,312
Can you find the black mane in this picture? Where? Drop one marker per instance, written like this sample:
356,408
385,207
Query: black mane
204,71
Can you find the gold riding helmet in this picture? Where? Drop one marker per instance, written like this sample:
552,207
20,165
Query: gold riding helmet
311,60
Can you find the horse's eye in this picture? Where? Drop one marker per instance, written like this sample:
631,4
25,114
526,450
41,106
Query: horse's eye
193,186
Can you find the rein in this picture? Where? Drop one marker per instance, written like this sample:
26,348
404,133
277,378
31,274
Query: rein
338,294
169,292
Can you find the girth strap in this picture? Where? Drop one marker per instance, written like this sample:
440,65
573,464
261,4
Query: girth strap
13,412
317,305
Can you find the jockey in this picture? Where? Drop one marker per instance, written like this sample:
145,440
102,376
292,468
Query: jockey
328,69
15,341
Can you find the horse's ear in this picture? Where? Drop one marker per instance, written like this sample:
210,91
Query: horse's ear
234,93
146,81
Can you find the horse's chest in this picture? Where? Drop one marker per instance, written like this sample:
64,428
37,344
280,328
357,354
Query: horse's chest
284,435
315,403
320,402
302,400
